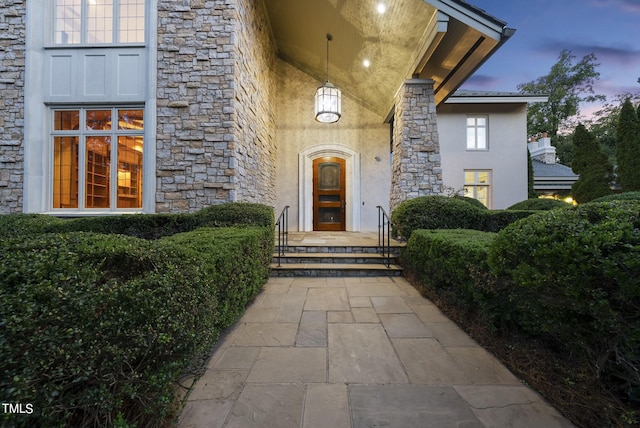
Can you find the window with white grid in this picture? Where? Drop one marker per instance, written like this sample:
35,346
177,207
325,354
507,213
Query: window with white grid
477,185
477,135
98,22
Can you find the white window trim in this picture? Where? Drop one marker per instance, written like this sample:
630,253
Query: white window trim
486,133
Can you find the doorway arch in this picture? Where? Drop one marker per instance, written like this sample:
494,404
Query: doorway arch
305,184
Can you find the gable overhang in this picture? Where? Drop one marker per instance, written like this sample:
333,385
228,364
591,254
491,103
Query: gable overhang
497,98
441,40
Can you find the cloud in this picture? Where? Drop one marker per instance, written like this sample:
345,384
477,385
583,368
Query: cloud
614,87
628,5
618,55
482,81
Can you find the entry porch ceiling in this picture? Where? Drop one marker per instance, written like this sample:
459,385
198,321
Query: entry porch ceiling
443,40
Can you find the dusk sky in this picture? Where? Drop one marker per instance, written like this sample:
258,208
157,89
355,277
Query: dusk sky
608,28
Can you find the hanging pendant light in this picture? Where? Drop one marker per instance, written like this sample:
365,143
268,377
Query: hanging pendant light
328,98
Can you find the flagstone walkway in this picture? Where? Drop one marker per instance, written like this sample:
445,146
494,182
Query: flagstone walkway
356,352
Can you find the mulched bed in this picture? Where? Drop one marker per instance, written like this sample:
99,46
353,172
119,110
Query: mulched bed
564,383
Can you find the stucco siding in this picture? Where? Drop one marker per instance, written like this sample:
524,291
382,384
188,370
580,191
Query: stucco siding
506,156
359,130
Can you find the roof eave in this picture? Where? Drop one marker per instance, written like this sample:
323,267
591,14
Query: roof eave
496,99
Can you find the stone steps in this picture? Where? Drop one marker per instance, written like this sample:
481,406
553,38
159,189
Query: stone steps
342,258
334,270
334,261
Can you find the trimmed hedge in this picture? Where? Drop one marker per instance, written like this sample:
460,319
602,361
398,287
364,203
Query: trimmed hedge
576,281
12,225
626,196
434,212
539,204
153,226
473,201
566,278
95,329
443,212
496,220
448,261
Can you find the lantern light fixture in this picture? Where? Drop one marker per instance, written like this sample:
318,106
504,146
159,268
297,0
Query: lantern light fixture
328,98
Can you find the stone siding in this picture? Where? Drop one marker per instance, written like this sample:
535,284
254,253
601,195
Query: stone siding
12,64
214,98
416,169
254,105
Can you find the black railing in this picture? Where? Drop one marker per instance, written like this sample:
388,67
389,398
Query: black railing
384,235
283,232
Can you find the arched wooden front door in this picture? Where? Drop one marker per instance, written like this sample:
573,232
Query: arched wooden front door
329,194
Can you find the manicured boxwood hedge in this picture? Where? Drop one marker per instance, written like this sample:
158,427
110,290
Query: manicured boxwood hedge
575,276
442,212
153,226
626,196
448,261
434,212
569,278
95,329
539,204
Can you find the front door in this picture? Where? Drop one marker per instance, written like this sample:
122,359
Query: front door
329,194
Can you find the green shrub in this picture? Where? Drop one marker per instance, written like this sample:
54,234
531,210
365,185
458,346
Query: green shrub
496,220
626,196
236,260
576,280
147,226
153,226
236,214
443,212
473,201
434,212
539,204
444,260
23,224
97,328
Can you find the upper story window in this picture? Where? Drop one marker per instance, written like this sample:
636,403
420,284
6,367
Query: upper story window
98,22
477,133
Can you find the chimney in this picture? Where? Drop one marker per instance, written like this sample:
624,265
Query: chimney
542,150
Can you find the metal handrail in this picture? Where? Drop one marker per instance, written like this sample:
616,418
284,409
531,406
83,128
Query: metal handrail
283,232
384,231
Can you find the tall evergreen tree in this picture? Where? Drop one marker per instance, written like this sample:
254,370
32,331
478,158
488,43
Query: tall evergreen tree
592,165
628,148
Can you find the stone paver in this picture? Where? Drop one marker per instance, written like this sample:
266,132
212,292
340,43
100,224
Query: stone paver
355,352
326,406
362,353
409,406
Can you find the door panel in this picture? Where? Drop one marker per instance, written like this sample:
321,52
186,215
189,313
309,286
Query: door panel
329,194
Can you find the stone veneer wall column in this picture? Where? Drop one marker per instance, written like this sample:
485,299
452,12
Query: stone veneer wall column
12,63
416,169
255,104
215,131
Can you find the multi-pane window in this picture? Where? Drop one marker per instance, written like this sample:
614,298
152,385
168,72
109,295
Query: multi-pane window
98,21
477,185
477,136
97,158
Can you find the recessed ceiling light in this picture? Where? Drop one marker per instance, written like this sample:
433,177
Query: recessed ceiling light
366,63
381,8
